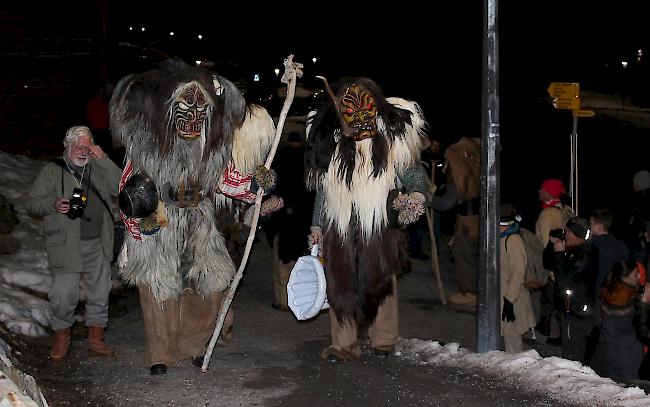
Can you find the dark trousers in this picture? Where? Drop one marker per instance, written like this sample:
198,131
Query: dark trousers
575,337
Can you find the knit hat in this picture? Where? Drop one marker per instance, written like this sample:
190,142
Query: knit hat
579,227
508,215
554,187
641,180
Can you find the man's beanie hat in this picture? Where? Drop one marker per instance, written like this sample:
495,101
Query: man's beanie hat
554,187
508,215
641,180
579,227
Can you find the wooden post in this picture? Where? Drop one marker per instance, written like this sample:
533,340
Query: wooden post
435,265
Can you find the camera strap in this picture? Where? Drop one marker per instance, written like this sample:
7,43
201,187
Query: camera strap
61,163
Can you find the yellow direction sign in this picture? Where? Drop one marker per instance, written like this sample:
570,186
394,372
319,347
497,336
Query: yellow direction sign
570,104
584,113
564,90
566,95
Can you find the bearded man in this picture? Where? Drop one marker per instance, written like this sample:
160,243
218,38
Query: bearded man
74,196
190,140
362,153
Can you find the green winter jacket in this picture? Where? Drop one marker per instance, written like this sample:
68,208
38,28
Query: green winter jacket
62,233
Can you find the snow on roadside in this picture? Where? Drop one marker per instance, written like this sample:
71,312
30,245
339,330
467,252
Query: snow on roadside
561,379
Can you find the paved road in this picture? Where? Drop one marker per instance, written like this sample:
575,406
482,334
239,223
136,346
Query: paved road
274,359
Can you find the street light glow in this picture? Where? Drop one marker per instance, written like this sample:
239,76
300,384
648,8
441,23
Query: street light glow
314,59
277,71
200,36
142,29
624,64
171,33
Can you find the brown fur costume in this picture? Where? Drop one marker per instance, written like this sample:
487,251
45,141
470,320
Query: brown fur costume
353,179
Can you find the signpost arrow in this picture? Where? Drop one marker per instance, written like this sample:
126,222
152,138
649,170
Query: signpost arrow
566,94
564,89
584,113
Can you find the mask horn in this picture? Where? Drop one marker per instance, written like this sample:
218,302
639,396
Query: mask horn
337,106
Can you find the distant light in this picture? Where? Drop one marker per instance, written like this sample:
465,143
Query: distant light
568,292
171,33
198,62
624,63
256,77
314,59
130,28
25,86
277,71
640,52
199,36
142,29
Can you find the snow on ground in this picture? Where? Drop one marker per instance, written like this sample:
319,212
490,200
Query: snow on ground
561,379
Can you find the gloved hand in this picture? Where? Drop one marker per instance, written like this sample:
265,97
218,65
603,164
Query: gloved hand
508,312
410,207
315,238
263,178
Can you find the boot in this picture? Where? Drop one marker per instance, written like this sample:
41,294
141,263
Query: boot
60,345
96,341
280,280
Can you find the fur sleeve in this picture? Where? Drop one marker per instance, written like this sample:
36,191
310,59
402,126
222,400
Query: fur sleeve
408,148
253,140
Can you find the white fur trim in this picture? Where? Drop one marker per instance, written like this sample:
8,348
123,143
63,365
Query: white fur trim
253,140
366,196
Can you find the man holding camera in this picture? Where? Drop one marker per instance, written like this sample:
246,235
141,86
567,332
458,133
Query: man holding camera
74,196
576,267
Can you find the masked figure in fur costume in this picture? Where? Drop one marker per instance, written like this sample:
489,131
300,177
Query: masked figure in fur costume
463,191
363,149
191,139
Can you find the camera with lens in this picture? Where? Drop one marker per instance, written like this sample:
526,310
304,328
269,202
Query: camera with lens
557,233
77,204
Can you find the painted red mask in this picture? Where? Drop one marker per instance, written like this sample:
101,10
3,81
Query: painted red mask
359,113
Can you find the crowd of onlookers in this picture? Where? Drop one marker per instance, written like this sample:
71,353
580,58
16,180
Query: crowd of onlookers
595,303
596,300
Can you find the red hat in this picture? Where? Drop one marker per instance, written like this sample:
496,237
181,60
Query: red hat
554,187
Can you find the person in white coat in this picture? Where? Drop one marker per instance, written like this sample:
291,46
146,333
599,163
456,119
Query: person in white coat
517,311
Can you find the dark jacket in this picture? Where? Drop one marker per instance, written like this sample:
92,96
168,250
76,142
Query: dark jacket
575,271
610,250
62,234
619,352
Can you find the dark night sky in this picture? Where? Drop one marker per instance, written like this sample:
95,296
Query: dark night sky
431,53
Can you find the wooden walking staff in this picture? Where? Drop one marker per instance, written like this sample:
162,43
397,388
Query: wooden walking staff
292,70
434,250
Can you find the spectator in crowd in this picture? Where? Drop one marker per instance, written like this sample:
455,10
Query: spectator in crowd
619,353
517,312
75,195
637,234
432,159
292,221
554,215
610,249
576,268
